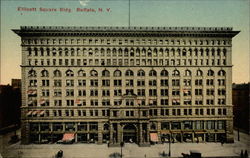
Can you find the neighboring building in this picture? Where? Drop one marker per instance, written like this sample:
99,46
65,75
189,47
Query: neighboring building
241,106
16,83
10,112
136,84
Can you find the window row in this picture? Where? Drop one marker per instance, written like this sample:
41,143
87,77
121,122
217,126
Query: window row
118,73
125,102
127,113
127,62
127,52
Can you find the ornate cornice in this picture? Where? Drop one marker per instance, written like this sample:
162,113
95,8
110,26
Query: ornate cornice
35,31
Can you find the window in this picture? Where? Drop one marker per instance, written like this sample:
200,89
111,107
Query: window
94,83
70,102
69,92
221,73
105,73
93,92
94,102
57,92
32,73
117,92
106,92
210,73
140,73
69,73
81,73
176,73
57,73
105,82
45,82
70,83
117,82
129,73
152,83
164,73
175,82
129,82
117,73
152,92
81,82
105,102
93,73
141,92
152,73
140,82
164,82
164,101
187,73
44,73
164,92
198,82
199,73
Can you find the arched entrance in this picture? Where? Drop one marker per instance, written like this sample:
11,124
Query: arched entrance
129,133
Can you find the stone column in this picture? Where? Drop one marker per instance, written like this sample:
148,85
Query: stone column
111,132
119,139
229,131
100,125
159,131
148,127
140,134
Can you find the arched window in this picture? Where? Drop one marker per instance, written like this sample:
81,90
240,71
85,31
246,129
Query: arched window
224,52
221,73
152,73
176,73
106,126
45,73
188,73
93,73
210,73
57,73
129,73
69,73
81,73
32,73
105,73
218,52
117,73
164,73
199,73
140,73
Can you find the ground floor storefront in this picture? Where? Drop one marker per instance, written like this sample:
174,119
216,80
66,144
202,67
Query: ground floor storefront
114,132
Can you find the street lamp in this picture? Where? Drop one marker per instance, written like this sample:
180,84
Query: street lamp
169,146
121,144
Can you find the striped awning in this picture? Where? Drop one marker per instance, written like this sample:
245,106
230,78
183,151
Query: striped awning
68,136
154,137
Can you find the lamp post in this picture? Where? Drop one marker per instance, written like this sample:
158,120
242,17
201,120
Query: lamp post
169,146
121,144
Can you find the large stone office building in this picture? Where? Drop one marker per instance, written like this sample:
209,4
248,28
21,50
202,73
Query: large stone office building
136,84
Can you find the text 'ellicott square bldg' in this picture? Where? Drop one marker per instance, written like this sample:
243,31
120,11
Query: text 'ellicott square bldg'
130,84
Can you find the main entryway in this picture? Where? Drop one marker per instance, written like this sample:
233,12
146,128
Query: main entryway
129,133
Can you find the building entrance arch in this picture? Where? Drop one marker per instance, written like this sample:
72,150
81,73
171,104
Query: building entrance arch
130,133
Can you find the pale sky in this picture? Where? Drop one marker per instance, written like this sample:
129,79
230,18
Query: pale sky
203,13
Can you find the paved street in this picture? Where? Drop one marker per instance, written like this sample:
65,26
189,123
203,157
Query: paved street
129,151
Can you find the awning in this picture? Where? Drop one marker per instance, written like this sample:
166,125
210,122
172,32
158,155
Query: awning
34,112
29,113
68,136
154,137
41,112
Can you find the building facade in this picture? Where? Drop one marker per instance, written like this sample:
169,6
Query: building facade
119,84
241,107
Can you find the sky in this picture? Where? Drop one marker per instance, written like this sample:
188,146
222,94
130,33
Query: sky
168,13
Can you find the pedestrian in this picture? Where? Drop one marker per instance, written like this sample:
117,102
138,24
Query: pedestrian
245,154
241,154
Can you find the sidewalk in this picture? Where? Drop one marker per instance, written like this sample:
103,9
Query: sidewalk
129,151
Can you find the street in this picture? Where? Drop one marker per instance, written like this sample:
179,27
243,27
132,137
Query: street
129,150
